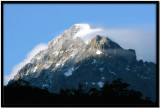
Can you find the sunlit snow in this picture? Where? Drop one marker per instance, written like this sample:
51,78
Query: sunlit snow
27,72
94,61
98,52
35,69
82,30
57,64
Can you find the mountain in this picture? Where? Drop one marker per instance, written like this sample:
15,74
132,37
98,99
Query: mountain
70,60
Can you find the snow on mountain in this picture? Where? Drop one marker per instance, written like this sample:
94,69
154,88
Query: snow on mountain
69,72
82,30
100,84
74,58
98,52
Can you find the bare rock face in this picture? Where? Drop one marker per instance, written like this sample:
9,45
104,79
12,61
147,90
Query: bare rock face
111,48
100,43
69,61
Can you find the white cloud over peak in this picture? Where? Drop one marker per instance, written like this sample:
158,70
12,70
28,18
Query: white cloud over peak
29,56
143,41
83,30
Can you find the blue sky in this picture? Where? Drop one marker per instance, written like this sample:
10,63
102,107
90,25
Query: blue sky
27,25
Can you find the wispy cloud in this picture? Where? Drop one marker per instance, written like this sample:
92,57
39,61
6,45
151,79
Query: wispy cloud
143,41
29,56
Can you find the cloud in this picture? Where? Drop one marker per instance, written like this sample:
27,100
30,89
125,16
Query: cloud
29,56
143,41
84,30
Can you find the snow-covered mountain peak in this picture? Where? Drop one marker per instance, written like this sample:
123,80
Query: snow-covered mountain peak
82,31
79,30
81,26
81,55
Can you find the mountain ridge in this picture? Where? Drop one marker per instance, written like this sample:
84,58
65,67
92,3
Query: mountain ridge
69,60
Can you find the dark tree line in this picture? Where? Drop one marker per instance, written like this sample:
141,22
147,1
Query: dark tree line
117,92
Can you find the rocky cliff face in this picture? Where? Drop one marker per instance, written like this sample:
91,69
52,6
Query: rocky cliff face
69,61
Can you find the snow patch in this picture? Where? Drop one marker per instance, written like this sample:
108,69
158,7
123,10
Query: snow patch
35,69
82,30
98,52
27,72
57,64
100,84
113,73
55,53
73,54
93,83
61,52
45,85
127,68
69,72
101,69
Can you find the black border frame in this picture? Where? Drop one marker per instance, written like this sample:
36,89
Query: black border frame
81,2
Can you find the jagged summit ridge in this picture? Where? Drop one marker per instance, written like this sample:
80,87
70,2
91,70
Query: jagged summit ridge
76,31
67,48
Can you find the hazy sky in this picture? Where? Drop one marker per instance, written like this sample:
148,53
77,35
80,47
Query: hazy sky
28,25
